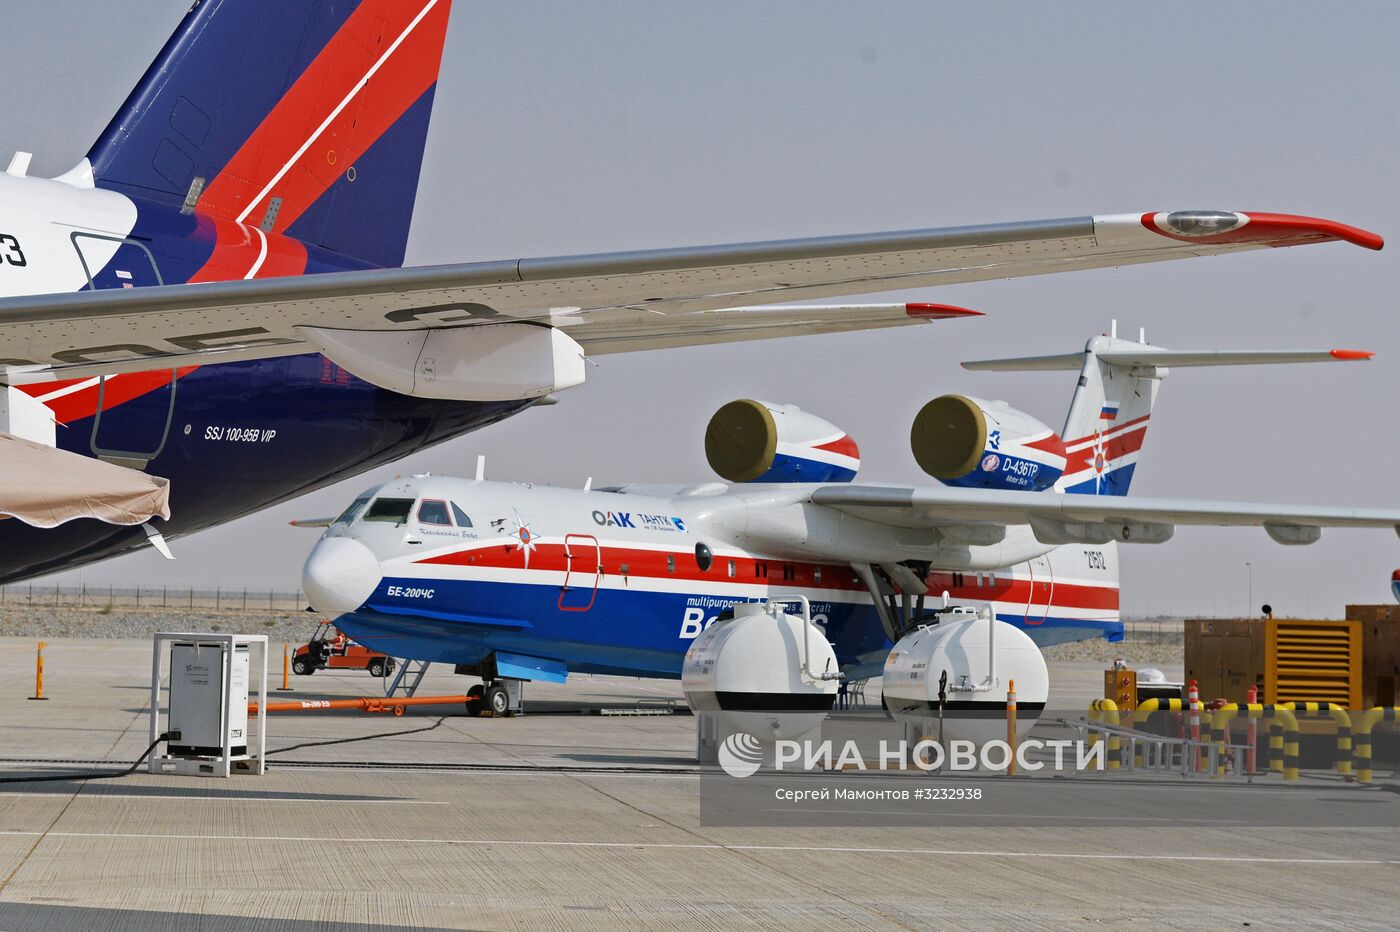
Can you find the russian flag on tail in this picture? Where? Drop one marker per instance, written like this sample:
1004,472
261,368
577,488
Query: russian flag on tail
1109,411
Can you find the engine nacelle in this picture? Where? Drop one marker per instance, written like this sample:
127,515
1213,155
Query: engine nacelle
973,443
754,441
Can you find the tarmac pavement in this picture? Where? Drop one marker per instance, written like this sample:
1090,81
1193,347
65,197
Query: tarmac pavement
562,819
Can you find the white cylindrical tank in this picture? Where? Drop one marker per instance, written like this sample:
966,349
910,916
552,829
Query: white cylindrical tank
974,707
760,672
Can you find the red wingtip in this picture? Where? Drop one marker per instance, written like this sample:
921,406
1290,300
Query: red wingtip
939,311
1395,575
1207,226
1352,354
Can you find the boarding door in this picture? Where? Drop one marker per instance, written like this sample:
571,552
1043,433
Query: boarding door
583,560
1042,592
134,411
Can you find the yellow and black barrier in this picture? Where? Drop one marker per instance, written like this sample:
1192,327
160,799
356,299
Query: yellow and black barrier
1144,712
1288,745
1106,711
1283,735
1275,754
1339,715
1220,727
1365,721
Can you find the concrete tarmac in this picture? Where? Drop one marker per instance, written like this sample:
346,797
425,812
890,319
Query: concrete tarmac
557,820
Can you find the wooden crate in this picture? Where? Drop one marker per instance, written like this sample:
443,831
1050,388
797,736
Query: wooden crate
1380,660
1355,663
1225,657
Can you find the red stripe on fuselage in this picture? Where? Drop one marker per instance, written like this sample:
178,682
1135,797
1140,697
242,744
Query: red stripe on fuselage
117,390
238,248
335,72
653,564
644,565
1023,591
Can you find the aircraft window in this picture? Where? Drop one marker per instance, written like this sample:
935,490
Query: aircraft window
434,511
671,564
461,516
389,510
704,558
355,508
731,569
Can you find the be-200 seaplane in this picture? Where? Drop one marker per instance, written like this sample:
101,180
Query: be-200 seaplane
515,581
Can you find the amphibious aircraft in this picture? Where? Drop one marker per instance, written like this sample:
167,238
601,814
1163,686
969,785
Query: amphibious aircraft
213,294
527,582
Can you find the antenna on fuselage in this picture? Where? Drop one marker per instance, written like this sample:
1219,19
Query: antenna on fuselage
480,467
588,484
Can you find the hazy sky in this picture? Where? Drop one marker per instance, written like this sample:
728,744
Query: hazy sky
580,127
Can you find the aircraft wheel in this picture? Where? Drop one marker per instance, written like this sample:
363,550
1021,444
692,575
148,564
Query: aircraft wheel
302,668
497,700
376,668
474,703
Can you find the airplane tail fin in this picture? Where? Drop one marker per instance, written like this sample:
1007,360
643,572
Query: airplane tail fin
306,118
1112,405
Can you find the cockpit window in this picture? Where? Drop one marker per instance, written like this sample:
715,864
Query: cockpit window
434,511
355,508
461,516
389,510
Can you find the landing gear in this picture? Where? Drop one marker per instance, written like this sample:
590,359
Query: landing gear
497,700
500,698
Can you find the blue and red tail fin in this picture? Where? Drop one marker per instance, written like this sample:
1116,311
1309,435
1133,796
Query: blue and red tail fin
1112,405
307,117
1108,417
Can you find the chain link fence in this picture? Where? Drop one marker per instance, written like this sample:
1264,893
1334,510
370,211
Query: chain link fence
1155,632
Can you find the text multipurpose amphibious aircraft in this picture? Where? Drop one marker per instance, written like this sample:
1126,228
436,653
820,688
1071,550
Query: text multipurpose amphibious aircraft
212,294
520,581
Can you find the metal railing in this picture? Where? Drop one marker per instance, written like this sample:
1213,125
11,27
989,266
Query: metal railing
1142,750
150,597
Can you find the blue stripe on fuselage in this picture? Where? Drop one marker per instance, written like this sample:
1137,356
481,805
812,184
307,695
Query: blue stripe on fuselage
628,632
787,468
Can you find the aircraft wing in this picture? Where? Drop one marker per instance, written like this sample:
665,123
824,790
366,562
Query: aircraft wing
610,302
1057,518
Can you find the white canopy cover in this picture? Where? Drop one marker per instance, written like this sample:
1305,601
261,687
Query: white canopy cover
45,487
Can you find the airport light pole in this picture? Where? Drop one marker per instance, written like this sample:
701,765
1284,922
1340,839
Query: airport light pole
1249,605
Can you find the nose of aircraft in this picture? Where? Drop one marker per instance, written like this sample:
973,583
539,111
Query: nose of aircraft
339,575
